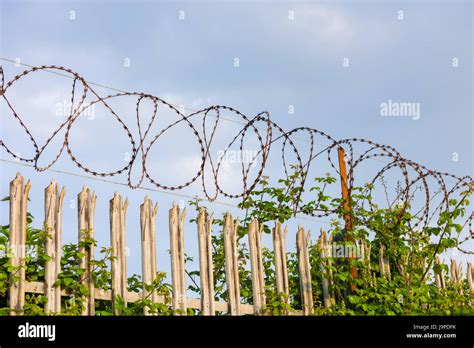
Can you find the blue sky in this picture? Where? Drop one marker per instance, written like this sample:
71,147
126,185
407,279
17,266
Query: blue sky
282,62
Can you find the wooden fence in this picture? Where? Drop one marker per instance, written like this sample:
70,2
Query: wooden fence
53,200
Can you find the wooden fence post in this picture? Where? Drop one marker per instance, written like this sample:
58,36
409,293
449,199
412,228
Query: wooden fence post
470,276
117,240
439,278
232,263
178,271
366,250
148,229
206,277
304,271
324,246
85,213
52,225
323,255
384,265
281,268
256,264
17,242
456,272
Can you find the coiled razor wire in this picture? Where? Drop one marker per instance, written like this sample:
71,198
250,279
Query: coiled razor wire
414,174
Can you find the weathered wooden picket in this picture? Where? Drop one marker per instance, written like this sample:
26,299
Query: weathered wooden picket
207,304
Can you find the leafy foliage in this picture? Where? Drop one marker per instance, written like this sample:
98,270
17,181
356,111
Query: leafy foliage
411,253
409,290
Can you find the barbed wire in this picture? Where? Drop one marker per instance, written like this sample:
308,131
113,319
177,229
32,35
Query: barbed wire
190,198
267,132
19,63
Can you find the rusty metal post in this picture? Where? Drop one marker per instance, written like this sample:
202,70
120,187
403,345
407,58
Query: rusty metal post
347,208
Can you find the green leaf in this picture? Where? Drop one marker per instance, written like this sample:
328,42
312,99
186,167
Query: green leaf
353,299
